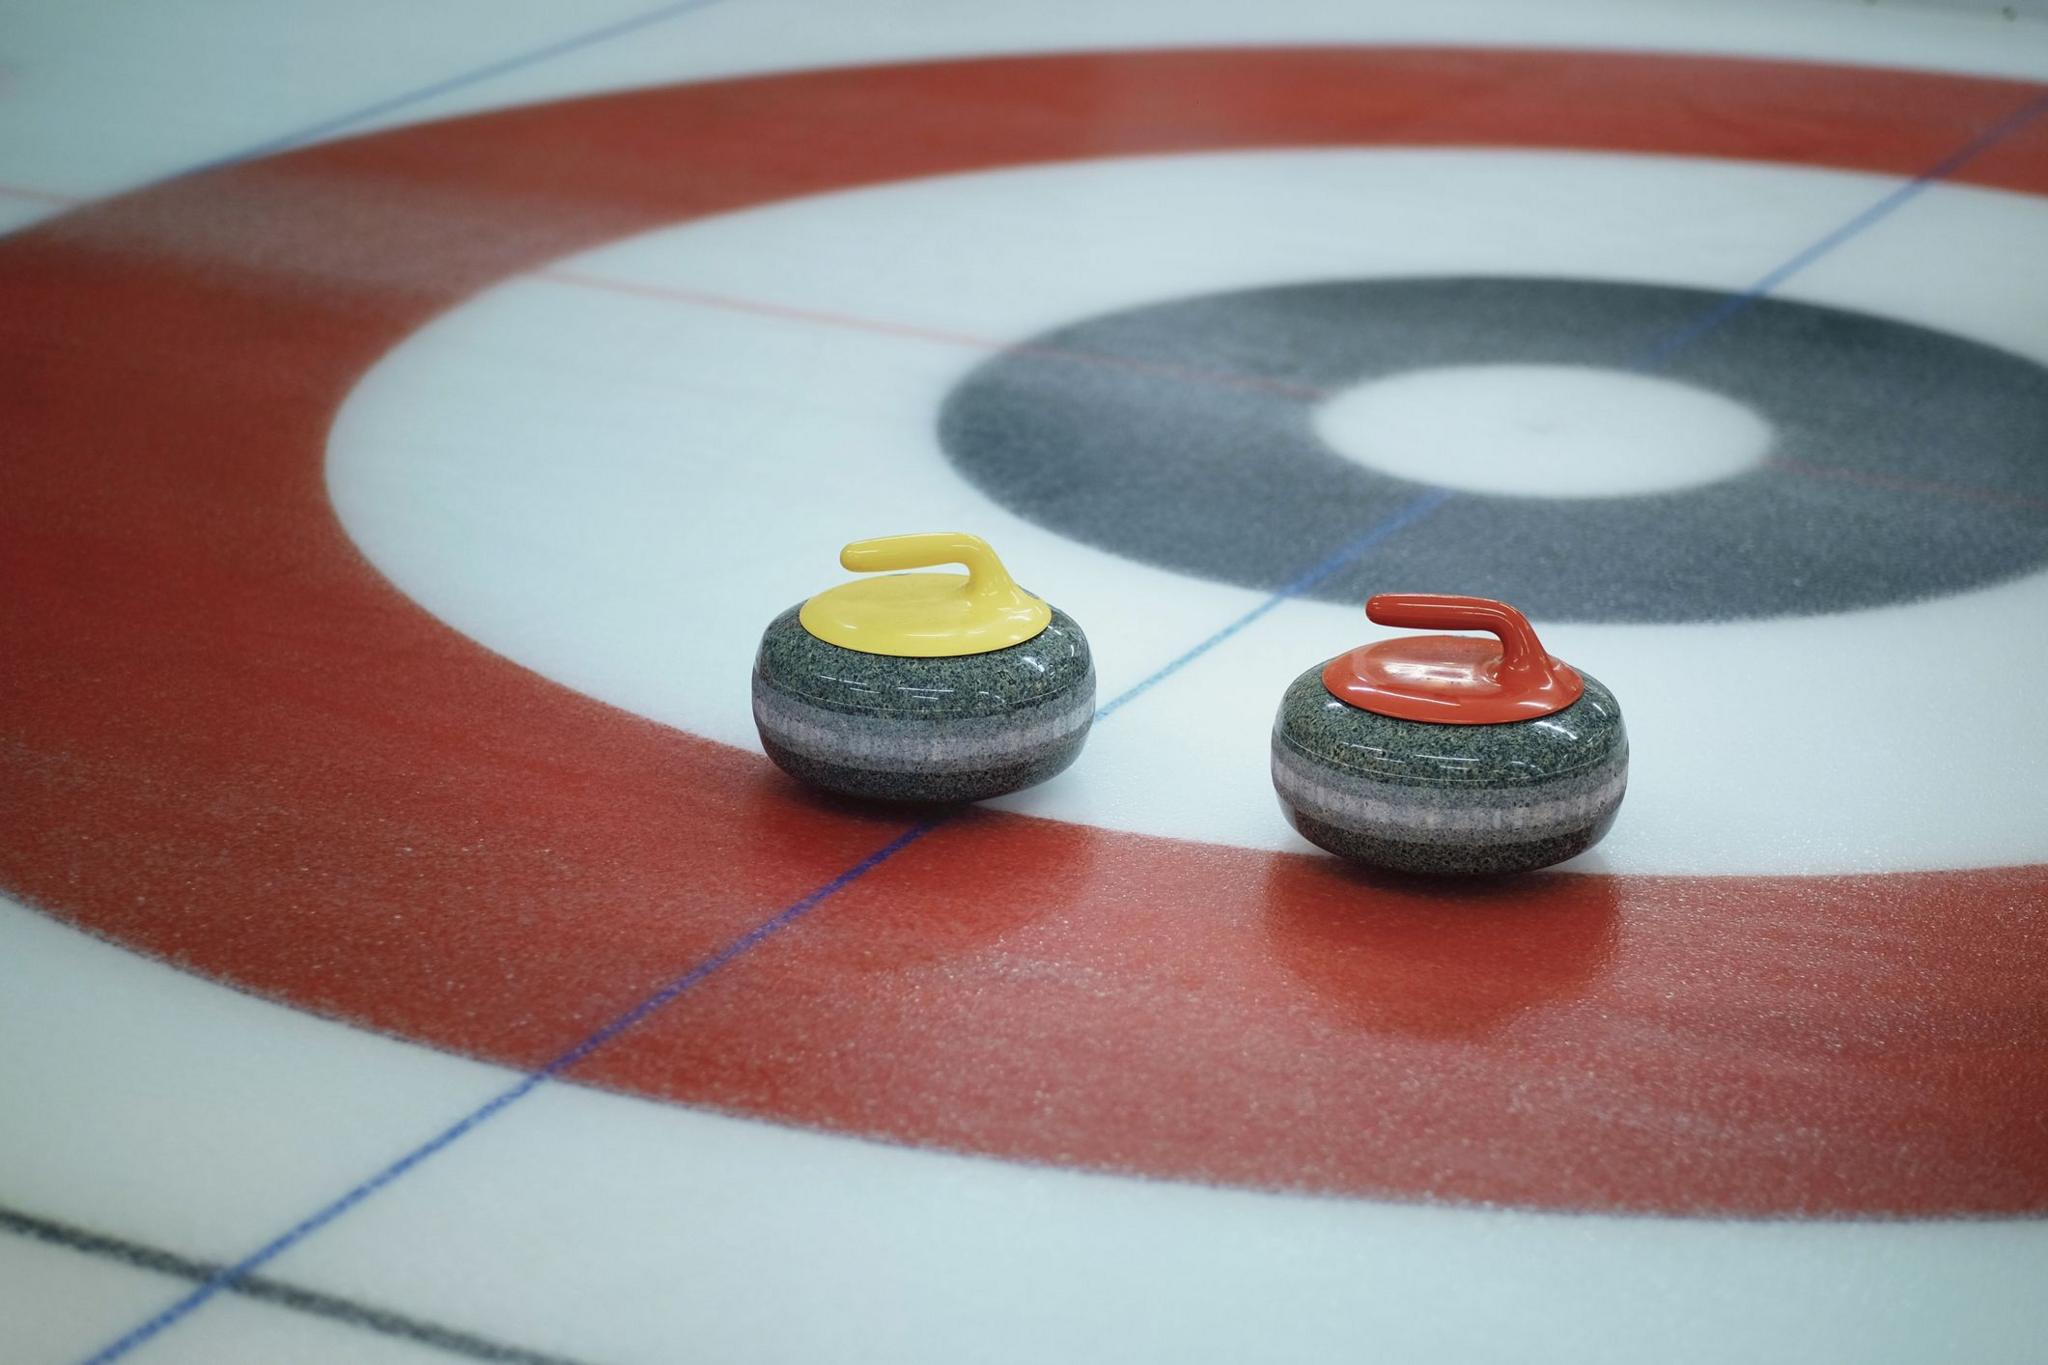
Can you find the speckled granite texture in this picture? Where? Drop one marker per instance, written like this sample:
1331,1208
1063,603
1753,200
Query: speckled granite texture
956,729
1449,799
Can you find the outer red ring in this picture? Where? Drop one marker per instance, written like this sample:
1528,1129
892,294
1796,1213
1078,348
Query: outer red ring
232,745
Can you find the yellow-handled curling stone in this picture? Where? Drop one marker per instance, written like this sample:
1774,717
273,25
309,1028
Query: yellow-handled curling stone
923,686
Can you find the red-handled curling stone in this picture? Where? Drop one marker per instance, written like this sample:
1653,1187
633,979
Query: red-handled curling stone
1450,753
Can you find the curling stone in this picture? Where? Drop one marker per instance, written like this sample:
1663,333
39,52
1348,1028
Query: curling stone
923,686
1450,754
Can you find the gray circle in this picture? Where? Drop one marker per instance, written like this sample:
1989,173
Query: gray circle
1909,463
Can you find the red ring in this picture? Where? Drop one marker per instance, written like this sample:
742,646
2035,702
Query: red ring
232,745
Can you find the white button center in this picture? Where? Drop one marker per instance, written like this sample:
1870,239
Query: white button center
1547,431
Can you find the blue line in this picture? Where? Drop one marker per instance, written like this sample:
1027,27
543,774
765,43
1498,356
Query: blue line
1664,352
1405,517
394,103
505,1099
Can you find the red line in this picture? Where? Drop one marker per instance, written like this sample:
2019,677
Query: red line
939,336
1873,480
40,196
1219,378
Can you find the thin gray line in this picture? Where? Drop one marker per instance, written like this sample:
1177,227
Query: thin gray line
334,1308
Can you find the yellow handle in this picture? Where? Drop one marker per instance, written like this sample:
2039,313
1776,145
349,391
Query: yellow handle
925,615
986,576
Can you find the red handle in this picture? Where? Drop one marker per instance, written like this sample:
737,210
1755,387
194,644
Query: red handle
1520,651
1447,680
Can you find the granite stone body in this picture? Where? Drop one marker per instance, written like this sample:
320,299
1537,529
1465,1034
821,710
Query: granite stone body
1469,800
963,728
